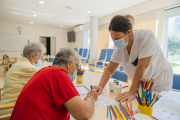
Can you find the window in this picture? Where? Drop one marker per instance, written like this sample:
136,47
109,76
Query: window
87,38
111,43
171,45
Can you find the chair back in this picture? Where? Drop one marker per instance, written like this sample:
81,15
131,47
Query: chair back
85,53
176,82
4,107
81,51
118,75
109,53
51,59
75,49
103,56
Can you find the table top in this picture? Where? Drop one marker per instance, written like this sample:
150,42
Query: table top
91,78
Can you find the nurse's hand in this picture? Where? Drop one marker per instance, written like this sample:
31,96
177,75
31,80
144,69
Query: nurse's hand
126,96
98,89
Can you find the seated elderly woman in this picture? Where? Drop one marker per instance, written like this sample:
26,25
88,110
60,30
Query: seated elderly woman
51,95
20,73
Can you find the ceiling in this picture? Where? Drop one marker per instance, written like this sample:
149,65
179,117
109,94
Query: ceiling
53,12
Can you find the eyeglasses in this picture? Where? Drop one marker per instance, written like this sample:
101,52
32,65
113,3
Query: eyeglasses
79,67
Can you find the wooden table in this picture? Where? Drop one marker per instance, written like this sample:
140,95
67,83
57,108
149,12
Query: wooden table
91,78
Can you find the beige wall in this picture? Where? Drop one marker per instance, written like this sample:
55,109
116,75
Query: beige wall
60,34
149,6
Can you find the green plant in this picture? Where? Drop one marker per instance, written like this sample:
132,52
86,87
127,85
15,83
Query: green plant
173,45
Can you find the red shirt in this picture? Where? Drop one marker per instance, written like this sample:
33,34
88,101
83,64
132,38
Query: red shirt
42,98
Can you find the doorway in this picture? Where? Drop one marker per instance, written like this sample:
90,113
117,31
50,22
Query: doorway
50,45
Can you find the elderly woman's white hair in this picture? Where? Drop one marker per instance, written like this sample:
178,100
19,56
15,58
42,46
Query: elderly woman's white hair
33,48
64,55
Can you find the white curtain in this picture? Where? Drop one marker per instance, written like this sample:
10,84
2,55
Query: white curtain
153,21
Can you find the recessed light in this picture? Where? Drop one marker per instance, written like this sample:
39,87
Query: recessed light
67,7
35,15
41,2
31,22
88,11
61,25
72,20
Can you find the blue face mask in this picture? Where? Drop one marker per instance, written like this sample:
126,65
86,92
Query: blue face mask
120,44
38,63
73,76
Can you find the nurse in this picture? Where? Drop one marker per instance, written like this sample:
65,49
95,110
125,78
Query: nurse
141,46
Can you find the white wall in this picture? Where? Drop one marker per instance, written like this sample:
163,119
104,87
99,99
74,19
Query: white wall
149,6
43,41
60,34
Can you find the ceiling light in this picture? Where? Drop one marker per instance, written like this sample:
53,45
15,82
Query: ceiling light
72,20
67,7
31,22
88,11
61,25
35,15
41,2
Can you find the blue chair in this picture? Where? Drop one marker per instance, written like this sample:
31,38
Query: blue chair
85,53
86,61
51,59
119,75
4,64
101,59
81,51
176,82
75,49
109,53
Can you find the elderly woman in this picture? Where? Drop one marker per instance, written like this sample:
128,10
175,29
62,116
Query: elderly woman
51,95
20,73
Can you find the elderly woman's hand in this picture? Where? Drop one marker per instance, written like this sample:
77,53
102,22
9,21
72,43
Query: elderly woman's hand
93,93
98,89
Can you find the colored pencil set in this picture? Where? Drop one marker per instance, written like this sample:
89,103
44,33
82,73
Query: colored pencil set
146,98
120,113
80,72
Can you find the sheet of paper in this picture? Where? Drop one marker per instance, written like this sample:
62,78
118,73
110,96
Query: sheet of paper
83,90
170,102
103,101
164,115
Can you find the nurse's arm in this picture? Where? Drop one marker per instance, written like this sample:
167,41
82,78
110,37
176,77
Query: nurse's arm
139,73
108,73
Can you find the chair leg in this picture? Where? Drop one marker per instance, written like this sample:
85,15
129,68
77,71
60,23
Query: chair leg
119,68
127,80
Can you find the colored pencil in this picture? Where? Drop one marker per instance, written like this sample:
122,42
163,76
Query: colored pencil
128,108
118,113
119,118
124,111
137,99
110,113
107,111
113,112
122,114
123,108
144,101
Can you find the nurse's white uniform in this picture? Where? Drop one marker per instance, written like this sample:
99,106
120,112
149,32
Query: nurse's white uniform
145,44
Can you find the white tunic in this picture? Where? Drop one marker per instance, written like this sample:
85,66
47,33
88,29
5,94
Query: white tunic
145,44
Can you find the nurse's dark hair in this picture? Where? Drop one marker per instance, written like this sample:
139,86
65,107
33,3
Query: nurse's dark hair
122,23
